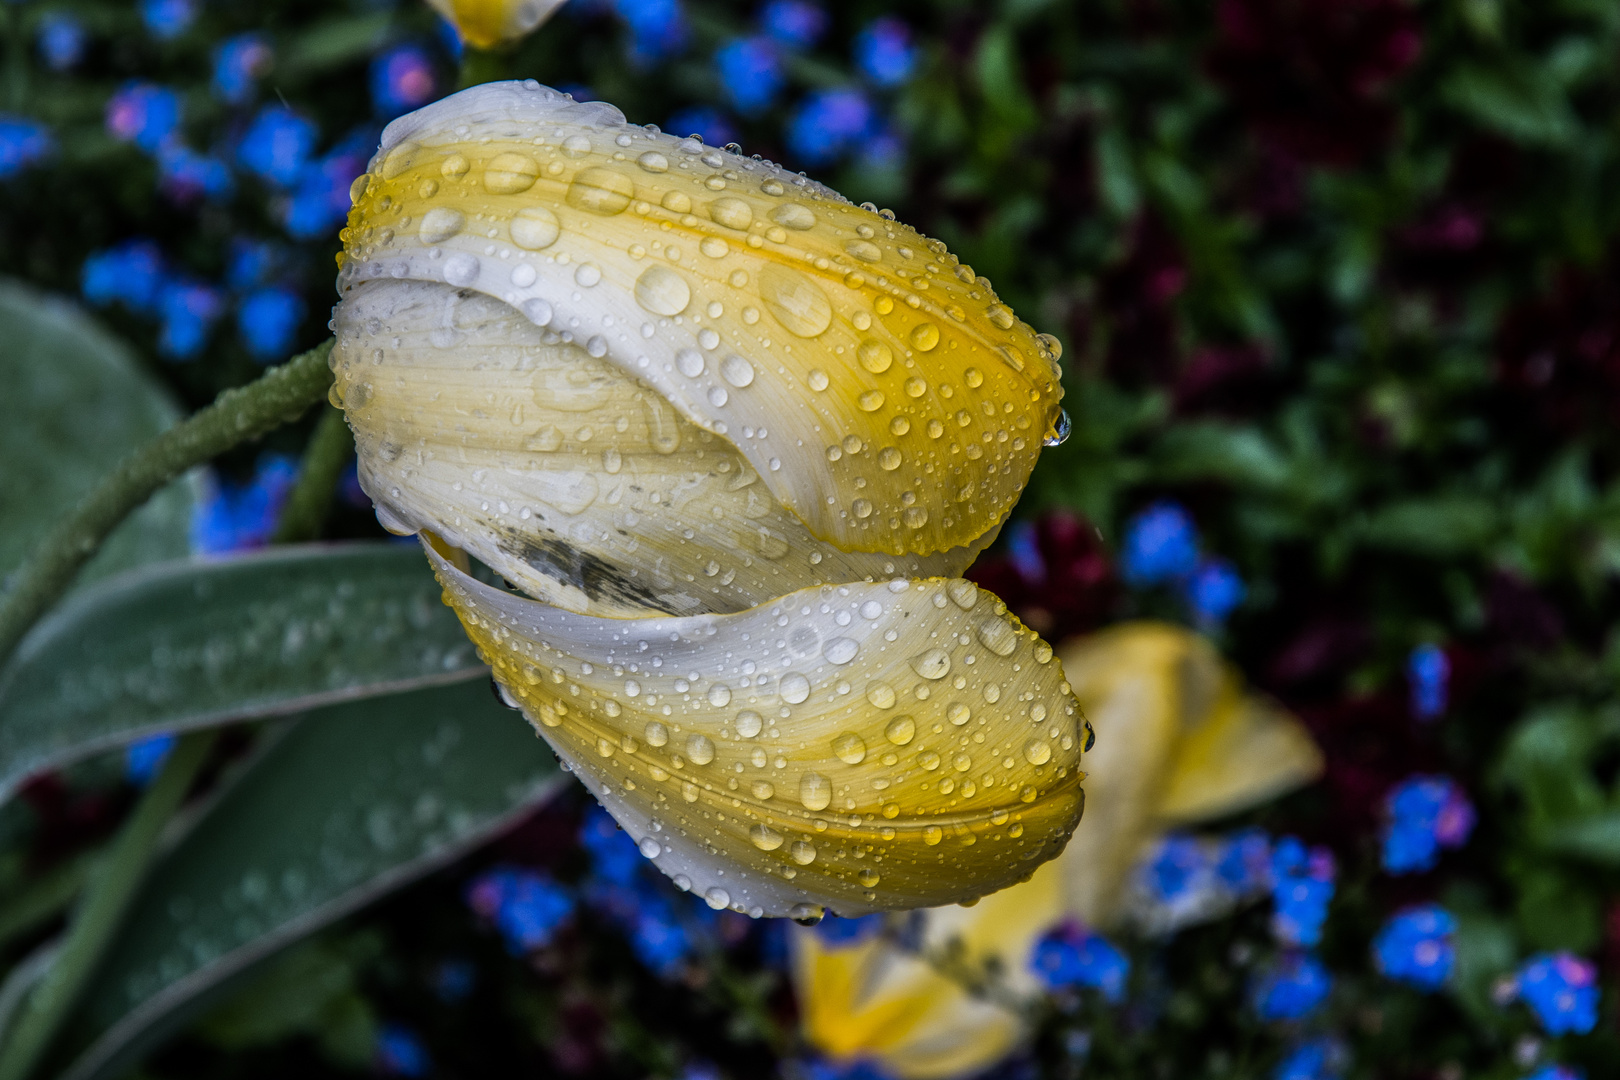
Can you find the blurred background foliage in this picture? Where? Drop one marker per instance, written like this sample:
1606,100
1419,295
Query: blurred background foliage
1336,282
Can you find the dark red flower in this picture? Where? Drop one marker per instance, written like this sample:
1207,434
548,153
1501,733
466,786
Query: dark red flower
1053,574
1309,74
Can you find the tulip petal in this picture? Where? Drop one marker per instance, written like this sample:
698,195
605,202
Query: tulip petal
858,747
484,24
574,481
877,387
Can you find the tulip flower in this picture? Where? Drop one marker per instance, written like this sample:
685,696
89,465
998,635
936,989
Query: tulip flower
484,24
735,438
1178,741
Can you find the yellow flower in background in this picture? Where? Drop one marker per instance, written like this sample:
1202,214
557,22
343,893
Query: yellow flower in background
1178,740
737,437
485,24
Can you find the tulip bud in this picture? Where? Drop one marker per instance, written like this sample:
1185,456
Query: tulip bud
484,24
738,437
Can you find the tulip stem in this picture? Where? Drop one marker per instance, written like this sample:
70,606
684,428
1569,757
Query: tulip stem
278,397
329,448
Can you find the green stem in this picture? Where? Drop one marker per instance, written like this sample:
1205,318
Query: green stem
102,909
481,66
280,396
329,448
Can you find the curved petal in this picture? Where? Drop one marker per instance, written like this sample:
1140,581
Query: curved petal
484,24
573,480
878,388
859,747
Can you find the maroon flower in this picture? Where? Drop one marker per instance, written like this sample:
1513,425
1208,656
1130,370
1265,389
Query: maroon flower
1309,73
1053,574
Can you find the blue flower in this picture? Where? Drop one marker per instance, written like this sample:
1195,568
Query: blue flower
858,1069
268,320
1423,815
400,1052
168,19
143,113
1293,989
837,932
187,311
711,125
1161,545
751,73
1069,955
251,262
1301,888
131,274
796,24
143,759
1214,591
1561,990
613,854
1319,1059
828,124
1556,1072
658,28
526,906
239,63
402,79
278,145
239,518
62,41
884,52
1024,552
454,980
320,199
1428,673
22,142
1244,864
1176,869
186,175
1415,946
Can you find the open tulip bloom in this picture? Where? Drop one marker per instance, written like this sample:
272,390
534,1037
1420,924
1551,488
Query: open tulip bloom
736,438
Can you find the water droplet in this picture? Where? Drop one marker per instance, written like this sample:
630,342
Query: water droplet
924,337
604,748
632,688
794,216
731,212
870,401
764,837
1091,735
862,508
719,695
454,167
881,695
700,749
736,371
932,835
399,159
749,723
868,877
815,792
805,914
964,594
875,356
802,852
901,730
654,162
928,760
587,275
840,650
461,269
1001,316
1037,752
864,250
1042,651
1053,345
689,362
850,748
523,275
536,311
1060,431
440,224
533,228
933,664
612,460
973,377
714,247
601,191
889,459
796,301
997,635
509,174
817,379
717,898
650,848
576,146
958,714
795,687
915,517
718,396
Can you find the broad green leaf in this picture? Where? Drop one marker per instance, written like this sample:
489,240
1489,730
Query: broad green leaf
355,801
193,643
1209,451
1447,525
1595,838
75,402
1517,100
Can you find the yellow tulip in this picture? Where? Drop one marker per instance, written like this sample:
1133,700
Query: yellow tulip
737,437
1178,740
485,24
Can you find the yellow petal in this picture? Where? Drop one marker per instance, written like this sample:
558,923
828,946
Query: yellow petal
484,24
573,480
879,390
1248,751
859,747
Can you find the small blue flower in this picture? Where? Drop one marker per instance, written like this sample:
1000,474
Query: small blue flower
526,906
658,28
796,24
858,1069
168,19
1176,869
268,320
1428,673
1561,990
836,932
828,124
143,759
22,143
400,1052
239,63
1161,545
402,79
751,73
1423,815
186,175
143,113
1214,592
239,518
1415,946
1557,1072
320,199
1024,552
711,125
613,854
251,262
884,52
1069,955
1319,1059
187,311
131,274
278,145
62,41
1244,865
454,980
1293,988
1301,888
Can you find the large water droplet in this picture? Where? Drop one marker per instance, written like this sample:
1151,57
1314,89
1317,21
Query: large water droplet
997,635
717,898
509,174
932,835
795,688
461,269
807,914
880,695
850,748
657,734
901,730
700,749
874,356
764,837
731,212
440,224
868,877
601,191
797,302
802,852
534,227
840,650
1037,752
650,848
933,664
794,216
815,792
749,723
1060,431
737,371
763,789
662,291
654,162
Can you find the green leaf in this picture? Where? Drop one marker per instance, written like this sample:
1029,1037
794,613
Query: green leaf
1242,456
76,401
1595,838
190,644
1514,99
355,801
1446,525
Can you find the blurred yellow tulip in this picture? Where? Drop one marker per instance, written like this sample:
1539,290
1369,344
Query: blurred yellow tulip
484,24
1178,740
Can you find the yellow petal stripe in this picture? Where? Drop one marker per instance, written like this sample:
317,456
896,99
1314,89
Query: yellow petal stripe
876,386
859,747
